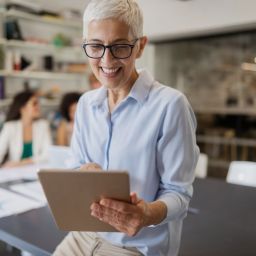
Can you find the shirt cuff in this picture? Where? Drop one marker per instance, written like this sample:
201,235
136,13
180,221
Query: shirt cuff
177,207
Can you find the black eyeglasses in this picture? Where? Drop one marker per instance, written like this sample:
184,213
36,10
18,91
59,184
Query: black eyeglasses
118,51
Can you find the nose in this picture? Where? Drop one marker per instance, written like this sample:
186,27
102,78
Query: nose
107,57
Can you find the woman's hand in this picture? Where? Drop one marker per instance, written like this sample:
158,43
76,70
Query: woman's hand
90,167
129,218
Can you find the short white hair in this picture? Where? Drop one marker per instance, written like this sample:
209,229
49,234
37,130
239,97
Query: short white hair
127,11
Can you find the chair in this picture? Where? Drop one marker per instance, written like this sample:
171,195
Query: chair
59,157
202,165
242,173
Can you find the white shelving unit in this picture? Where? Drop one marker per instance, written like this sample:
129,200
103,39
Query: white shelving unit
43,19
4,103
39,46
33,24
42,75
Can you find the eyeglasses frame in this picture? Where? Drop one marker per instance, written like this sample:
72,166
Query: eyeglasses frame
110,48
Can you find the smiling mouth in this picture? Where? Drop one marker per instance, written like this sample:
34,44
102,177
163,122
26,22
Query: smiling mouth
110,72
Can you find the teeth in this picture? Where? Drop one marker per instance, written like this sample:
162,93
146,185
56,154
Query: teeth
109,70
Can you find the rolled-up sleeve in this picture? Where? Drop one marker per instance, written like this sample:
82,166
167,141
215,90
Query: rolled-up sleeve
177,155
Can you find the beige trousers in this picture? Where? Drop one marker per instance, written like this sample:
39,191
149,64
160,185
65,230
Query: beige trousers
90,244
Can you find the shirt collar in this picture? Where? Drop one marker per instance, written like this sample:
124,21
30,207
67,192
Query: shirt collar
139,90
141,87
99,96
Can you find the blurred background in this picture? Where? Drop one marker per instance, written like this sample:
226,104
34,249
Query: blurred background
206,49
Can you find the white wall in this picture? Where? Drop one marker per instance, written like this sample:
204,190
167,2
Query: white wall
168,19
147,60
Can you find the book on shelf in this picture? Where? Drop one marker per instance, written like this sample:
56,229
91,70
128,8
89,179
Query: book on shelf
2,91
12,30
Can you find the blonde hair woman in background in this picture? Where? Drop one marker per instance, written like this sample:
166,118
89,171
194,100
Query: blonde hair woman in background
25,137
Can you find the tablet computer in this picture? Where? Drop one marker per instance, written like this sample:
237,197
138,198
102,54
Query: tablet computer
70,194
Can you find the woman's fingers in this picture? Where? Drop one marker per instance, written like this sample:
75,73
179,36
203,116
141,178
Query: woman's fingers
134,198
125,217
90,167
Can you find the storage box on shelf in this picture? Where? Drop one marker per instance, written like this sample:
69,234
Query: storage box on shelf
42,19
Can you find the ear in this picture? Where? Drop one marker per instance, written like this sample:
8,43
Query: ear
142,43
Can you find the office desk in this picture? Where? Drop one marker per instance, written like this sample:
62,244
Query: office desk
225,224
33,231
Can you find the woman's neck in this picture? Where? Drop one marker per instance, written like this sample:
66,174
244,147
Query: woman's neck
26,121
116,95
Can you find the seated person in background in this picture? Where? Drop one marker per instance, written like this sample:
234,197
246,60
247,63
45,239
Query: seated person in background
25,137
67,109
94,82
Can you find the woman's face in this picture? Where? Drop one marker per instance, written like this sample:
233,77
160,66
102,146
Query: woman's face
112,72
32,109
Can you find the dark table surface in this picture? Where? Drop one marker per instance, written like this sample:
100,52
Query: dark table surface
224,224
34,231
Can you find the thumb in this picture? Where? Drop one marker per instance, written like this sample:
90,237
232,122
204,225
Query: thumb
134,198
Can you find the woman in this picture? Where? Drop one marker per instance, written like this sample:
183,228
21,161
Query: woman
67,109
25,137
133,123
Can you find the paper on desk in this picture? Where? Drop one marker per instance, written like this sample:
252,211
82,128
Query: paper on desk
31,189
28,172
11,203
8,175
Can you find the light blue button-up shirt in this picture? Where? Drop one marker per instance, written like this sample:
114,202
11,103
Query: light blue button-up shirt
151,134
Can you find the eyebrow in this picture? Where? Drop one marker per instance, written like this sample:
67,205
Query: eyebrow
120,40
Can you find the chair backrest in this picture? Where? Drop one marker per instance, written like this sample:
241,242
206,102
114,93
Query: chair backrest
59,156
202,165
242,173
